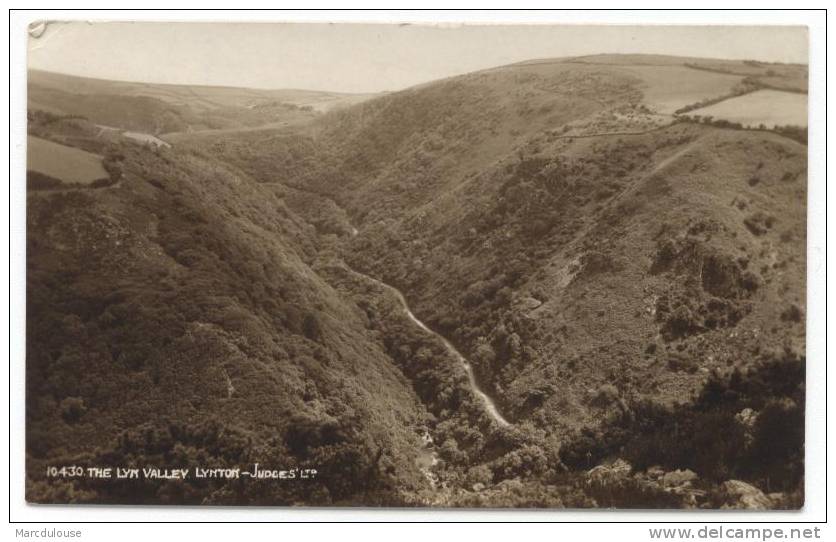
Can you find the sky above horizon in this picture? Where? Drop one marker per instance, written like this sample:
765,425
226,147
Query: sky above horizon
354,57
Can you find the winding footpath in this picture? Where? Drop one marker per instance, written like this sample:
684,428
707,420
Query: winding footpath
490,406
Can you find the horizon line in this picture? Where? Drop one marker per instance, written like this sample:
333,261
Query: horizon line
512,64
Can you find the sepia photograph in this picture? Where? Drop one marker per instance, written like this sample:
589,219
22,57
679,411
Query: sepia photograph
434,266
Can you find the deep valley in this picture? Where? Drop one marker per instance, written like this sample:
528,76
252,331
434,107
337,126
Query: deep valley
557,283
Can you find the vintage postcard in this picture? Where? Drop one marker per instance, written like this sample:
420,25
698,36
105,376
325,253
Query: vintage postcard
384,265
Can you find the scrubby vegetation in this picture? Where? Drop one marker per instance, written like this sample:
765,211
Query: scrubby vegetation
146,305
619,296
759,411
747,85
796,133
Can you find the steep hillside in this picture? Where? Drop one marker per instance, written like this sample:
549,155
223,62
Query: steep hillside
174,320
587,250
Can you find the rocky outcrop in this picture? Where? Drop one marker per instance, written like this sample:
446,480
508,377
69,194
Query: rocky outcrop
679,478
614,471
739,495
679,484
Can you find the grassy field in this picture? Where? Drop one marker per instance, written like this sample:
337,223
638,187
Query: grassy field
667,88
768,107
673,82
68,164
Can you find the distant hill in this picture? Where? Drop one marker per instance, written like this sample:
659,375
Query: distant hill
160,108
195,96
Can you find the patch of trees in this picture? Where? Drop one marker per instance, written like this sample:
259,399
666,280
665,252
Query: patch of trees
44,118
39,181
768,452
112,163
711,289
192,304
796,133
747,85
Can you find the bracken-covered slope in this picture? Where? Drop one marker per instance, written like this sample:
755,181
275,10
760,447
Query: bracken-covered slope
173,319
642,259
586,249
